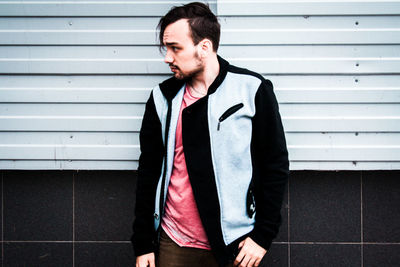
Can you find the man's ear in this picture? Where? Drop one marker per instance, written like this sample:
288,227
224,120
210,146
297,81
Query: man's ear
205,47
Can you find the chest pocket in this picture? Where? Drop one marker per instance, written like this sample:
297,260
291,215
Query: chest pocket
228,113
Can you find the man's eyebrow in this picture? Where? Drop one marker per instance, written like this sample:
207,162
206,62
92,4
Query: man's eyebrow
171,43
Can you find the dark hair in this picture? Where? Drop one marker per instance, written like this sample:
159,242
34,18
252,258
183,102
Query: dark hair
202,23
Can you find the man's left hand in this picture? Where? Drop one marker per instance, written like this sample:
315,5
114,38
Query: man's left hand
250,254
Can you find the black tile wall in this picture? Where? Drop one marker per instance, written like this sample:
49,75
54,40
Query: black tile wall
104,205
381,255
37,205
38,254
103,254
326,255
325,206
381,206
71,218
277,256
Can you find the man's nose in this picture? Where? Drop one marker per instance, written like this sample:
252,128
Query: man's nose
168,59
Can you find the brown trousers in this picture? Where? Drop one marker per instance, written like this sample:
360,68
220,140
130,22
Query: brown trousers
172,255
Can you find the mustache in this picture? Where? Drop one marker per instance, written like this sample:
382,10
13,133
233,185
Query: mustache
173,66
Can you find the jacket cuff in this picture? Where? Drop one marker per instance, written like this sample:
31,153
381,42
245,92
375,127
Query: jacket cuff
141,247
262,238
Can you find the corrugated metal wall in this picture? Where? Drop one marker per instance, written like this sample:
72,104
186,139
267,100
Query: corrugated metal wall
74,76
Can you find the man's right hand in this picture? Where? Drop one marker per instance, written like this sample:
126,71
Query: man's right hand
146,260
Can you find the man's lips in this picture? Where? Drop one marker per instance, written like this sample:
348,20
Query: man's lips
173,68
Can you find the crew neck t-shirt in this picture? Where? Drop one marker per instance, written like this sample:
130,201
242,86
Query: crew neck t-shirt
181,220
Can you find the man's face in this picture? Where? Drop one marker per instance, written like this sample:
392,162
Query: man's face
181,54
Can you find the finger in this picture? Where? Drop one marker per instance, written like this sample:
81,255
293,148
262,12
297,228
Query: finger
245,261
142,262
252,262
152,263
257,263
241,244
239,258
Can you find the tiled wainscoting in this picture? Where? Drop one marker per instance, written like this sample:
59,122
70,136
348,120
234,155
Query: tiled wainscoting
83,218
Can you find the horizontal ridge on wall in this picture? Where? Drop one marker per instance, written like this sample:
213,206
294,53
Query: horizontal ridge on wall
225,7
126,152
235,30
90,8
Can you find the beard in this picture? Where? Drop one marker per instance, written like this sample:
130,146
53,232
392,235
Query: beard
180,75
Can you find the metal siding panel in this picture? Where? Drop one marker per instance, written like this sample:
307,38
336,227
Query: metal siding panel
285,7
122,95
308,36
228,23
149,66
343,139
66,109
68,165
341,124
70,123
65,24
342,165
148,81
75,95
235,30
345,153
142,60
85,8
334,81
89,82
152,52
70,138
240,8
83,110
340,110
339,95
228,37
69,152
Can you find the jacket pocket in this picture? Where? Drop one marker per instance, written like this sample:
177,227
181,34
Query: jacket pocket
228,113
250,202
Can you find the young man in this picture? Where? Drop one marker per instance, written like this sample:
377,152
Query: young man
214,163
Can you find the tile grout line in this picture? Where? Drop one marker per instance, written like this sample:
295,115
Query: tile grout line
288,225
65,241
361,220
340,243
275,242
73,219
2,219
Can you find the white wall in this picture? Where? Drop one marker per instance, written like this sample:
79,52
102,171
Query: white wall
74,76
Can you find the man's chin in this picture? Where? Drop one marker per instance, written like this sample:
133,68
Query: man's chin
179,76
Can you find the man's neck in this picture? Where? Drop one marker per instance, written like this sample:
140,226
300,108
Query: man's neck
202,81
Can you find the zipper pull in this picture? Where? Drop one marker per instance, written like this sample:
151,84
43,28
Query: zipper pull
229,112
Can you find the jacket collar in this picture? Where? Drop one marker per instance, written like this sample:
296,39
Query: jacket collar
223,70
171,86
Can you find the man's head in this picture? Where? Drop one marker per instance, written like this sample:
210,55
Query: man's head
189,33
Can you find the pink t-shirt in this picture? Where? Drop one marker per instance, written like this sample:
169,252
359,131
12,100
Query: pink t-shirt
181,220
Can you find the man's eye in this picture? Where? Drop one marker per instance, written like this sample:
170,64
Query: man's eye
175,49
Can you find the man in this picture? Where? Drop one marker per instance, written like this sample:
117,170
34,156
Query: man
214,163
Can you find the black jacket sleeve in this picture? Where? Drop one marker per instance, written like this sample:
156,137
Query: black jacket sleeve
270,165
150,162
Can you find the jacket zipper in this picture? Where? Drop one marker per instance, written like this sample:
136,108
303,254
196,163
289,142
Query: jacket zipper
229,112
